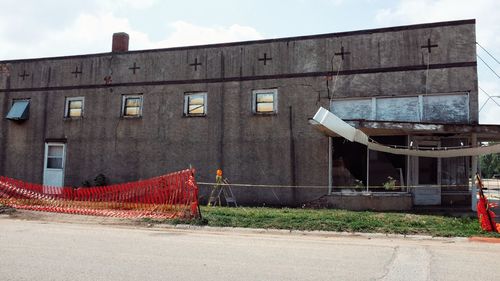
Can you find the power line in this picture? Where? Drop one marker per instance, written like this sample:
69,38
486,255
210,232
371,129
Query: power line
488,66
488,52
490,97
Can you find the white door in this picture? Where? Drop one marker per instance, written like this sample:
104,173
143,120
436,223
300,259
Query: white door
53,171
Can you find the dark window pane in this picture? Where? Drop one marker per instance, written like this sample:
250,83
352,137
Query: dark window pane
54,163
427,170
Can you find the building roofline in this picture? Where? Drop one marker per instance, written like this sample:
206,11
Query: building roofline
262,41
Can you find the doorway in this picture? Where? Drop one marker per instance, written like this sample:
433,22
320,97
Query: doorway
54,161
428,168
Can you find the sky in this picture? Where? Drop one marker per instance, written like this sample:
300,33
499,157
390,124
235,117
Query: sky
45,28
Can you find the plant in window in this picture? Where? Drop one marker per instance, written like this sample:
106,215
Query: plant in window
390,184
358,184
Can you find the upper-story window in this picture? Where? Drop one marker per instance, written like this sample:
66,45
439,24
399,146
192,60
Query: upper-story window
132,106
195,104
74,107
20,110
265,101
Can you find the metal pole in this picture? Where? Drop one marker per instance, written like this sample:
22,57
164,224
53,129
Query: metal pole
473,175
329,165
367,168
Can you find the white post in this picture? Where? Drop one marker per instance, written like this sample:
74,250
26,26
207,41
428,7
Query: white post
330,165
367,168
409,166
473,175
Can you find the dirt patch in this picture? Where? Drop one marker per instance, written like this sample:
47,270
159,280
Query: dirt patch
70,218
6,210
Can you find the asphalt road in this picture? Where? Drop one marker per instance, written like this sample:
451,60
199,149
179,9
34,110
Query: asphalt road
37,250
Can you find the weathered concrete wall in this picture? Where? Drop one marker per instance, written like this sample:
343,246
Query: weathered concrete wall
273,149
250,148
376,63
375,201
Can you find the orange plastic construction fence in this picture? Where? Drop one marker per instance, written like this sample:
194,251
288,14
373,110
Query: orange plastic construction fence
484,213
173,195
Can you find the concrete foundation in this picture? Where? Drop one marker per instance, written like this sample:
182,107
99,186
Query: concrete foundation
316,198
385,201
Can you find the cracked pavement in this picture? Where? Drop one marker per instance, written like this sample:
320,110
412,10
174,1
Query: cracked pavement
48,250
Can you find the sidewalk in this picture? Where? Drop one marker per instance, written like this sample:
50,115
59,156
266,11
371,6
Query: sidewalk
139,223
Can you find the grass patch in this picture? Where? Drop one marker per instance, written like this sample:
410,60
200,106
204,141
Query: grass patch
338,220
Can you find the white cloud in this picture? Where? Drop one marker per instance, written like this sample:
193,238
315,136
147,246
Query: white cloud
487,32
31,30
190,34
110,5
88,33
419,11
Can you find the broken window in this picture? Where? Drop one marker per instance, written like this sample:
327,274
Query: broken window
19,111
74,107
132,106
195,104
265,101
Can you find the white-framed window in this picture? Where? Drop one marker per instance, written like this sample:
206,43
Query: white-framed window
132,105
55,156
74,107
195,104
265,101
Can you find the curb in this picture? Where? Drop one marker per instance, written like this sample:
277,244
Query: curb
314,233
110,221
484,239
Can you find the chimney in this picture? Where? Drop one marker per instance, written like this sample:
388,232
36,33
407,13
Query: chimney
120,42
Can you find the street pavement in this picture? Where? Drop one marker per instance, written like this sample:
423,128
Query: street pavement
41,250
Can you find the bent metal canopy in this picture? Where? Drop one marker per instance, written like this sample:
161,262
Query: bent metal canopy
332,125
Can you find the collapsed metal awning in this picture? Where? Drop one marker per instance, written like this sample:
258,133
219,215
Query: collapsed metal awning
332,125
